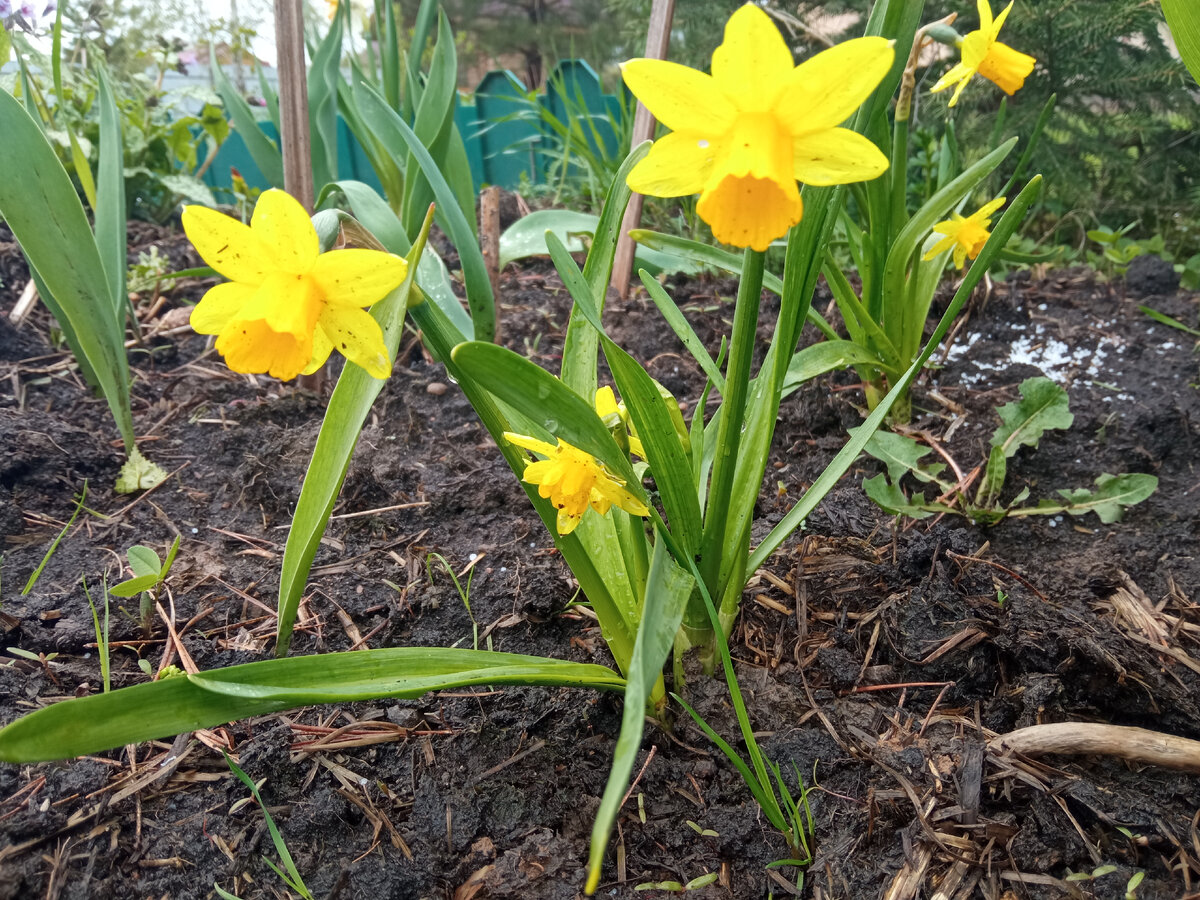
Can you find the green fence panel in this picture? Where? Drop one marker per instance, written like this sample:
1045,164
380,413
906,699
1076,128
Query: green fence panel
501,131
506,130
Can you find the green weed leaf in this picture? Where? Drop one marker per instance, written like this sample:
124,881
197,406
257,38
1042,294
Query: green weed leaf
888,497
900,454
1112,495
1043,406
144,561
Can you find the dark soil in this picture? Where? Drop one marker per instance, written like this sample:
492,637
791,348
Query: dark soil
882,658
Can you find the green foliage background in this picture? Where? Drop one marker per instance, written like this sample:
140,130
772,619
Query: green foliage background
1121,147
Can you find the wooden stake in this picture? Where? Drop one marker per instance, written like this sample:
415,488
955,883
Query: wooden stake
658,36
295,140
489,242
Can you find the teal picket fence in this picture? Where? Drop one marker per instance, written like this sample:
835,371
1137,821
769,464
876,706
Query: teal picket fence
506,139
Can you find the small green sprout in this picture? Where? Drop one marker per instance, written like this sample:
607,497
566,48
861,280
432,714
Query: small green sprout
677,887
149,573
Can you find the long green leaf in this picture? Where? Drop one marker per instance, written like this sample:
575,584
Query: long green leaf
615,609
348,409
323,78
432,125
675,318
582,341
667,593
822,357
393,130
647,407
178,704
534,392
110,206
263,150
43,210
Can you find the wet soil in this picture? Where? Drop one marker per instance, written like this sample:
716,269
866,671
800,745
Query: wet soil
878,657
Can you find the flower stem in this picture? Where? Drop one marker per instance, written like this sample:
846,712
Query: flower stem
729,434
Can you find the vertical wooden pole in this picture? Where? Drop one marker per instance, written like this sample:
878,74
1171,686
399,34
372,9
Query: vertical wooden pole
489,243
658,36
295,140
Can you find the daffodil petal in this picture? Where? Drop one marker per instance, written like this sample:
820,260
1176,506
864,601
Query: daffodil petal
525,442
253,347
999,21
322,347
985,15
358,337
940,247
619,496
958,90
682,99
606,402
988,208
1005,67
753,61
226,244
219,306
836,156
286,230
357,277
677,165
567,523
824,90
953,77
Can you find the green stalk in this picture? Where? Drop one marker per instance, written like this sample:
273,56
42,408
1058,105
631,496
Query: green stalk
729,434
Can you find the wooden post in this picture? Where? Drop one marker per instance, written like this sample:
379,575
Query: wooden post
658,35
294,138
489,243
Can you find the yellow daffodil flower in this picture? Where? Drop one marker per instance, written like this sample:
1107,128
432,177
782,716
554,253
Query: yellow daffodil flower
982,53
286,305
966,235
606,405
743,136
573,480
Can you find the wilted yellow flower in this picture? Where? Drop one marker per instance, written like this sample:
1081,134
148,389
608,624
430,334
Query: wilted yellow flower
286,305
573,480
966,235
982,53
743,136
607,405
